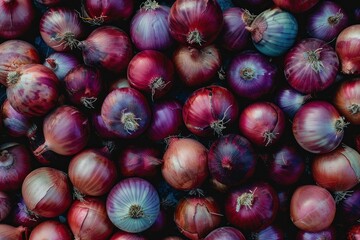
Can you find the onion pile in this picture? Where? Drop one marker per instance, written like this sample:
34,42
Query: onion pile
179,119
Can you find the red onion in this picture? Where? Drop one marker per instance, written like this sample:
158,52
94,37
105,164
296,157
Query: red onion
133,205
83,85
263,123
99,126
210,110
121,235
8,232
234,36
16,18
139,160
196,217
15,123
5,205
326,21
99,12
338,170
33,90
46,192
312,208
347,100
66,131
61,28
51,230
252,206
166,121
151,72
126,112
327,234
61,63
196,67
179,168
318,127
195,23
354,232
251,75
311,65
348,48
15,165
296,6
13,54
272,232
348,205
21,216
87,219
107,47
231,159
286,165
92,173
149,28
229,233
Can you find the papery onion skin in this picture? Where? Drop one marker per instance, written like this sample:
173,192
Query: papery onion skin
312,208
107,47
166,121
87,219
338,170
231,159
195,23
347,47
318,127
15,165
251,75
197,67
262,123
210,111
126,112
311,65
229,233
133,205
61,63
151,72
296,6
16,18
196,217
13,54
149,27
33,90
252,206
51,230
46,192
100,12
92,173
8,232
348,206
5,205
347,100
328,234
326,21
66,131
179,168
274,31
61,28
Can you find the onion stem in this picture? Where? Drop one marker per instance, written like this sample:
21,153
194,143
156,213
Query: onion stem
245,199
130,121
157,84
268,137
341,195
219,125
12,78
6,159
52,63
41,149
195,37
340,124
136,211
95,21
149,5
354,108
313,58
247,17
247,73
67,39
78,195
88,101
333,20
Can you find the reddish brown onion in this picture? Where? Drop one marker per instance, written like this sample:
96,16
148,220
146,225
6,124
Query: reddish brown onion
8,232
51,230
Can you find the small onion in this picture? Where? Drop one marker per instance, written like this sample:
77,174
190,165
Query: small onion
179,168
312,208
61,63
8,232
347,47
51,230
149,27
5,205
196,217
133,205
274,31
229,233
46,192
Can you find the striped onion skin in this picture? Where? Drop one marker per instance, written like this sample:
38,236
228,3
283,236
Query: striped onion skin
133,205
274,31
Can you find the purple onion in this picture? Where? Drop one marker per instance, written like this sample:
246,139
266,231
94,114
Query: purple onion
61,63
228,233
272,232
328,234
100,127
149,28
349,207
234,36
290,100
167,120
326,21
251,75
21,216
